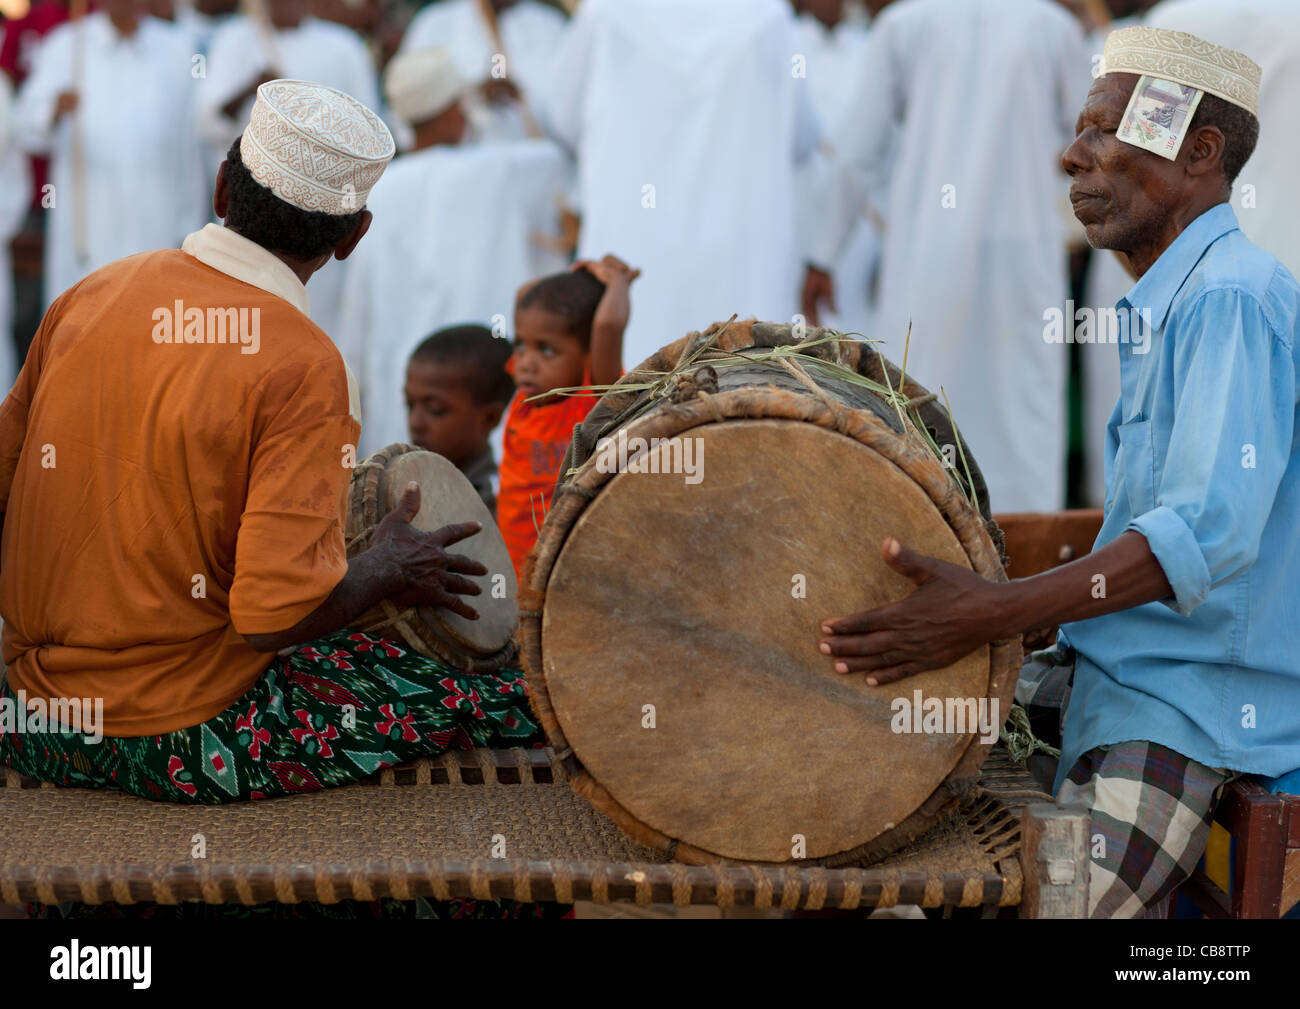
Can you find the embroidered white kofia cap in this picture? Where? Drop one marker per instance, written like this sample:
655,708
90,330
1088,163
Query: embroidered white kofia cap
315,147
422,83
1184,59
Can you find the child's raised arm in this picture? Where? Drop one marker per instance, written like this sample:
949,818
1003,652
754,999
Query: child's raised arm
611,317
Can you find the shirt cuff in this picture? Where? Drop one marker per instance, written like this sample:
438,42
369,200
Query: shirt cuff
1175,548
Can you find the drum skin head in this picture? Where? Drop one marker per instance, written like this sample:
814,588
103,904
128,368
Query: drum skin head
701,605
446,497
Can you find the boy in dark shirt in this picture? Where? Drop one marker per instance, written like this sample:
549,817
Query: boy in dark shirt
457,389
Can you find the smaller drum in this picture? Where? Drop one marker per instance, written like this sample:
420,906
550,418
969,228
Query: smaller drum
446,497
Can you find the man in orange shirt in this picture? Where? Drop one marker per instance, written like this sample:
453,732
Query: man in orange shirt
174,521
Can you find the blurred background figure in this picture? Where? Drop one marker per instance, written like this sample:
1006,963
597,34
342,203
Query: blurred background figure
14,193
280,38
109,100
834,44
502,47
456,230
362,16
961,111
198,19
1268,31
687,126
23,32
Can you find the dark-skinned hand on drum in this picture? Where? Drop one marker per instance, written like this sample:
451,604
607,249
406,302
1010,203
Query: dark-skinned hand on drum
945,618
430,575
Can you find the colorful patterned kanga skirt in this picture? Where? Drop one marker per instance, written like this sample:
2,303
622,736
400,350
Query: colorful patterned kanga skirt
330,713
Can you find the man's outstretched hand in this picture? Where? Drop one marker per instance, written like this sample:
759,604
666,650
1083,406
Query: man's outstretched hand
402,563
427,575
951,613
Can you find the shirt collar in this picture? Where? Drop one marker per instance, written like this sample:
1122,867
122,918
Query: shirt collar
236,256
1159,285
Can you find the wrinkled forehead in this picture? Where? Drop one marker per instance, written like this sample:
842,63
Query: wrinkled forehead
1109,94
1114,85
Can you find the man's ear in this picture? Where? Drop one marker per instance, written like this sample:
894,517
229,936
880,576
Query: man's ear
1207,145
221,194
344,248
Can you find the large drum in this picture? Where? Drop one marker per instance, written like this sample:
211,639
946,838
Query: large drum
672,607
446,497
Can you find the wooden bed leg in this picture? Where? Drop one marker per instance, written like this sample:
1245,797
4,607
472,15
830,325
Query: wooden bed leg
1054,860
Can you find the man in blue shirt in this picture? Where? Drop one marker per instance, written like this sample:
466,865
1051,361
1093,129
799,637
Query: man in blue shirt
1179,654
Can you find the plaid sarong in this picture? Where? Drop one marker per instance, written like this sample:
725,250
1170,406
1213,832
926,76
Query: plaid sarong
330,713
1151,806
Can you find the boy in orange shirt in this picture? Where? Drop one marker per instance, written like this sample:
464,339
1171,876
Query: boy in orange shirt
568,332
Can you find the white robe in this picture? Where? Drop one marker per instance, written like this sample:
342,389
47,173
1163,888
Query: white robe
530,34
980,99
687,125
832,59
1268,31
199,29
451,242
143,184
319,51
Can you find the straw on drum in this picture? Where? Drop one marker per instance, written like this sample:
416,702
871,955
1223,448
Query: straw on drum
664,384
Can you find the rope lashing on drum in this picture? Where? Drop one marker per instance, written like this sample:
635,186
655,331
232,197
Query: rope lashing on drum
837,410
688,386
793,358
711,405
589,493
1019,738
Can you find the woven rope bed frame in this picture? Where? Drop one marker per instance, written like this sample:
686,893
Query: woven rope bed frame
426,829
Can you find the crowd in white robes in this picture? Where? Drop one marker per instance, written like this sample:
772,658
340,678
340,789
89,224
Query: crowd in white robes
719,147
1269,32
138,183
980,100
528,34
832,57
687,125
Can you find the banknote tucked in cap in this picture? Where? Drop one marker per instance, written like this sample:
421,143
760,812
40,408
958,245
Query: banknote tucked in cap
1175,70
419,84
1184,59
315,147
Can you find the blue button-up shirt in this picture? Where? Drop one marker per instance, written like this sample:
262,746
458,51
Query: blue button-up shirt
1203,459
